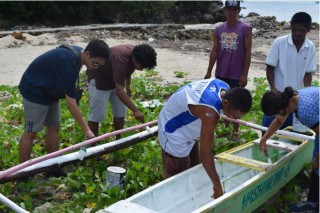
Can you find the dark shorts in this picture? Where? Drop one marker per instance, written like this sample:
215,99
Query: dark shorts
267,120
231,82
173,165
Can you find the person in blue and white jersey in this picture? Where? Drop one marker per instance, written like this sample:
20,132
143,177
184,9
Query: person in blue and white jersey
190,117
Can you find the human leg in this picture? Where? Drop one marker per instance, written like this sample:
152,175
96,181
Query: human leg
172,165
25,146
52,122
34,115
194,155
98,100
235,132
119,111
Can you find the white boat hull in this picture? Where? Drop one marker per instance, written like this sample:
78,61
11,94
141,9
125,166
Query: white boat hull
247,178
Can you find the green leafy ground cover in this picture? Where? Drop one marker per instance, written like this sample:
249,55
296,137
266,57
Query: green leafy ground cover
85,187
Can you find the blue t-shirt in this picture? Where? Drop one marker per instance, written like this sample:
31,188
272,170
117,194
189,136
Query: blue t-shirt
55,71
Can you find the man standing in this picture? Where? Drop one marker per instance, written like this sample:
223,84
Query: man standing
291,61
112,83
50,77
232,51
191,114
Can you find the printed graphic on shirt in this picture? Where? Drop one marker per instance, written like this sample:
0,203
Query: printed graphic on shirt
229,41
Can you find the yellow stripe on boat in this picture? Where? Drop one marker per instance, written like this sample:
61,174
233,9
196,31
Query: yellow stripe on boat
241,161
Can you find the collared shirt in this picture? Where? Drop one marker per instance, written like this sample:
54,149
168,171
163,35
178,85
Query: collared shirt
291,65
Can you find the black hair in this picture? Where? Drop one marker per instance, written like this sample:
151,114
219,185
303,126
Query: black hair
301,18
145,55
98,49
273,102
239,99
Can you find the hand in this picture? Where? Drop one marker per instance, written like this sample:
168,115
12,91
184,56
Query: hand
89,134
139,116
263,147
243,81
217,191
208,75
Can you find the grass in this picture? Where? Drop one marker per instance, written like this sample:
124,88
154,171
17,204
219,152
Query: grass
85,187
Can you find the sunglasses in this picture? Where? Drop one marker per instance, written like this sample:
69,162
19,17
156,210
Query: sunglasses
95,64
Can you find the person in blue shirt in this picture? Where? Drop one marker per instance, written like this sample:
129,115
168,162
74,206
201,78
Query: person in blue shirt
50,77
304,103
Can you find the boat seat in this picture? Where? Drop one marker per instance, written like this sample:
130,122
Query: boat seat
241,161
276,144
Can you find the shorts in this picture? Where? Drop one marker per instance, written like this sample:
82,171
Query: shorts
173,165
231,82
37,116
267,120
99,101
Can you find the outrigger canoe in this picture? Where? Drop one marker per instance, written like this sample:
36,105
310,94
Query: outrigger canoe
248,179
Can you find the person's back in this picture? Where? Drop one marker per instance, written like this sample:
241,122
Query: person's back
51,70
177,122
308,107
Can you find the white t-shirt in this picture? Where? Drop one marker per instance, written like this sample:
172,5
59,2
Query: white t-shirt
178,128
290,65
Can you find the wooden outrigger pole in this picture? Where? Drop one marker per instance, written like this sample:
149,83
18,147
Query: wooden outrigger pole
9,174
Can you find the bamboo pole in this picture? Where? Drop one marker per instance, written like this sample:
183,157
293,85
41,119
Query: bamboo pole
23,165
74,157
262,128
11,204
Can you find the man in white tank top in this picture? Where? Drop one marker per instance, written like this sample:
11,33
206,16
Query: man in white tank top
191,114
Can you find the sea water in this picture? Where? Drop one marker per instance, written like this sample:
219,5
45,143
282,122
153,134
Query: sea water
282,10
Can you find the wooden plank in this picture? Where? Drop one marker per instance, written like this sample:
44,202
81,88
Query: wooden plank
241,161
276,144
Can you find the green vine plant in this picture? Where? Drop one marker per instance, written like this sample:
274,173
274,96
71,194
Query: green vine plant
85,186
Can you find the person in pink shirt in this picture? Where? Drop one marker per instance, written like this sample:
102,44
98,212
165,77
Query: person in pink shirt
232,51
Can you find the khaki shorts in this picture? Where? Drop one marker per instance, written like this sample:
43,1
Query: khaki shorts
99,101
172,165
37,116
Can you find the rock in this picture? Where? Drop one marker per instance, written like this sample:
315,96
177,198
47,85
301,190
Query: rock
252,14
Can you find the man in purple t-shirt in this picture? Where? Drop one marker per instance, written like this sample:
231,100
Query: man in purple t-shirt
232,51
111,83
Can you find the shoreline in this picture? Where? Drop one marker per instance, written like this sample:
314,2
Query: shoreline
190,56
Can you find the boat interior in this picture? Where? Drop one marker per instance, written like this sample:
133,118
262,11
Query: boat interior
192,189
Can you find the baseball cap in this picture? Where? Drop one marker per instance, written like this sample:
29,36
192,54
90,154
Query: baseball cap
232,3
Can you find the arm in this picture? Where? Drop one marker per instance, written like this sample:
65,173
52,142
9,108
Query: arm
307,80
76,114
213,57
270,77
128,89
123,96
274,126
247,58
209,119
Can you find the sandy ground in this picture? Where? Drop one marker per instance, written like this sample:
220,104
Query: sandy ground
16,55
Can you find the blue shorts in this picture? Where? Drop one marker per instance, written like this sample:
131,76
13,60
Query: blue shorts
267,120
231,82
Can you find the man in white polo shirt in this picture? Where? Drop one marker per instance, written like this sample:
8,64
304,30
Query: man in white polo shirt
291,61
